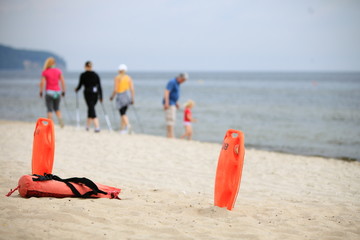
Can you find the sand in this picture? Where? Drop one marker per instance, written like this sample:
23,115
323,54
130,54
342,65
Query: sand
167,191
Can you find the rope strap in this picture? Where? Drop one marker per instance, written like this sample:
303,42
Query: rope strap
85,181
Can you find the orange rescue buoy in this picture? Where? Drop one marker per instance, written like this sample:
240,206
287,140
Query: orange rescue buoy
43,147
42,183
53,186
229,169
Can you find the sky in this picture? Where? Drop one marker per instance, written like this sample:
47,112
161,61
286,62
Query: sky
184,35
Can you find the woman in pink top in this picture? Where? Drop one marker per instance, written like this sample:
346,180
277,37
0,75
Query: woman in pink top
50,80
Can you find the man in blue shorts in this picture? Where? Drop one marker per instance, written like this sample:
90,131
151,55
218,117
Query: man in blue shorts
171,97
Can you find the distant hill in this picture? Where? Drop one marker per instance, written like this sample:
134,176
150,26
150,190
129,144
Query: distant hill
21,59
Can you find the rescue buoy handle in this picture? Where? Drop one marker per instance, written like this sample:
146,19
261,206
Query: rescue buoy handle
230,133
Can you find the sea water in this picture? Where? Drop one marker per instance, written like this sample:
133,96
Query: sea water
301,113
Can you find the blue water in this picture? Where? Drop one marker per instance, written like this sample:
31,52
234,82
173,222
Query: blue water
301,113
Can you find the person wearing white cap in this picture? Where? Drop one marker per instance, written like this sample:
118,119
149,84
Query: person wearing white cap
125,93
170,101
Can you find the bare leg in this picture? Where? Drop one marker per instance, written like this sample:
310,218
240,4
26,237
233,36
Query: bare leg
170,131
96,123
49,115
58,114
184,135
188,132
61,122
124,122
88,123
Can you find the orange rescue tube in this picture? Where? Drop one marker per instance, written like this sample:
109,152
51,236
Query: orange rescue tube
50,188
229,169
43,147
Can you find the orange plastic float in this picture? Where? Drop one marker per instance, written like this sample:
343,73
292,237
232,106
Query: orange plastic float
43,184
53,186
43,147
229,169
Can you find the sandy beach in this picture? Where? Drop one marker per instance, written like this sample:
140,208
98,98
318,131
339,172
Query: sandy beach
167,191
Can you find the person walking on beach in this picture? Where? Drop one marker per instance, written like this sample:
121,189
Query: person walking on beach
125,94
92,93
188,119
170,101
50,79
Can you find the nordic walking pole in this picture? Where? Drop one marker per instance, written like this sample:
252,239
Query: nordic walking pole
106,117
66,108
138,119
77,111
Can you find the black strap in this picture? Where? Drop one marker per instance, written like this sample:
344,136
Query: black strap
87,182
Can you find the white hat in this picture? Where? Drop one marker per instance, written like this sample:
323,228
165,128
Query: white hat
123,67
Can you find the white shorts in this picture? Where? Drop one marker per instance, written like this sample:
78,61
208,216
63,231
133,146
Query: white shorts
187,123
170,115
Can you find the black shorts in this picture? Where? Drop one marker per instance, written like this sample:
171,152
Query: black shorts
91,100
52,102
123,110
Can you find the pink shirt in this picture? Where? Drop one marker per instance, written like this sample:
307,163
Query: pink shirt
52,77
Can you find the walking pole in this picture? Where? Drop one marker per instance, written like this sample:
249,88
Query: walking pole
77,111
138,119
106,117
66,109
